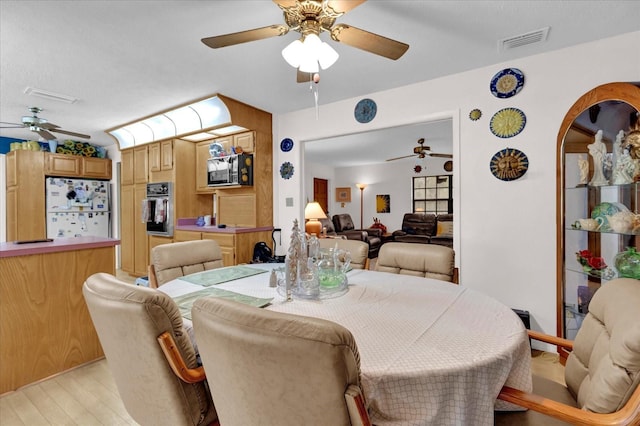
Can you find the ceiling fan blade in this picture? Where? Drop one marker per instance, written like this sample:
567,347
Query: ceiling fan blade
245,36
48,126
343,6
303,77
370,42
433,154
398,158
44,134
10,125
65,132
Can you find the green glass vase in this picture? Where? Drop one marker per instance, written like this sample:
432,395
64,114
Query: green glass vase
628,263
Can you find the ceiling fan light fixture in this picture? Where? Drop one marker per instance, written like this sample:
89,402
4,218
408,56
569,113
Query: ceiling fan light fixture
327,55
292,53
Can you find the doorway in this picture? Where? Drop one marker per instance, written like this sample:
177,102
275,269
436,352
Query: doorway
320,193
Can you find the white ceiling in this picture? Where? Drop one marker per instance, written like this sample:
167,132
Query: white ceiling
125,60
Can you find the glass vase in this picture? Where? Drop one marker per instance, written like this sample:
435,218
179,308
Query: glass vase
628,263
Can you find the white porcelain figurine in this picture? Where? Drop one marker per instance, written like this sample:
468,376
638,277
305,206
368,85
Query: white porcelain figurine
598,150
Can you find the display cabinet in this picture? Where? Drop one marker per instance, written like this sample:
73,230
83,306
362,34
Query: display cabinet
598,222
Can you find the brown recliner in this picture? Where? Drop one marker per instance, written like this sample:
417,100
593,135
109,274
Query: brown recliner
343,225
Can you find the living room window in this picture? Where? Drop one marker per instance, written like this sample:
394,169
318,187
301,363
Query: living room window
432,194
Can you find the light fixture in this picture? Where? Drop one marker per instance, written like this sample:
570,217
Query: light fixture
204,115
313,212
309,54
361,187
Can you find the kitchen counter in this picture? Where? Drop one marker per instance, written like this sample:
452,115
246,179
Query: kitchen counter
11,249
189,224
46,327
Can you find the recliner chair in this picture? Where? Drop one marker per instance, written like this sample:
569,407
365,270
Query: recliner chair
343,224
602,372
277,368
149,353
170,261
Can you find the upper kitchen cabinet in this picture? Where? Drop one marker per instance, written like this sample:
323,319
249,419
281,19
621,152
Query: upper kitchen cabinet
161,156
76,166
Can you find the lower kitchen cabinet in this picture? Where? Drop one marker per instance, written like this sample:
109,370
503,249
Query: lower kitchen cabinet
237,248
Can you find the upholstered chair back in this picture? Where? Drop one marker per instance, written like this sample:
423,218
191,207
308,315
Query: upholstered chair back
359,250
343,222
276,368
603,369
419,224
171,261
423,260
128,320
327,225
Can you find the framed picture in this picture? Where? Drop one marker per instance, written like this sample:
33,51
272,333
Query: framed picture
383,204
343,195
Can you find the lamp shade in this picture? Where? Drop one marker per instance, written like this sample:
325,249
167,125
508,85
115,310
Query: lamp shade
313,212
310,54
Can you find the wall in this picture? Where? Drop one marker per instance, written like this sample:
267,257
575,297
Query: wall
390,178
504,231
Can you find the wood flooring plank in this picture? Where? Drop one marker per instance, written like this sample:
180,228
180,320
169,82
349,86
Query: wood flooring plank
25,410
47,406
91,402
8,416
69,403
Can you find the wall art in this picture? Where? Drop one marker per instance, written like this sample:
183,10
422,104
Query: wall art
383,203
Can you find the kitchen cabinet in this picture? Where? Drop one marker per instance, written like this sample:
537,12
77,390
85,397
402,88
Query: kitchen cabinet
26,172
161,156
149,163
246,141
25,195
76,166
202,155
237,248
586,255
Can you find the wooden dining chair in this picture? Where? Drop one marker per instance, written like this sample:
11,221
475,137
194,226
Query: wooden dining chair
170,261
150,356
422,260
276,368
602,372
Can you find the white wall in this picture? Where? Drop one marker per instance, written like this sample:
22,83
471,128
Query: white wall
387,178
505,238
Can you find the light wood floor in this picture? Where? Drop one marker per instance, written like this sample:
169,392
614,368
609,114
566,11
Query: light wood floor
87,395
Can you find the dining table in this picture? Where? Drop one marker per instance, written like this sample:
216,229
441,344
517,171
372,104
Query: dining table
431,352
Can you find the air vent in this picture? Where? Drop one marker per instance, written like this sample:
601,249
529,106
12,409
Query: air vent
50,95
537,36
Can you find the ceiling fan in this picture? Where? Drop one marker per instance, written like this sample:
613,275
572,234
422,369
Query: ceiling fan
41,126
422,151
311,17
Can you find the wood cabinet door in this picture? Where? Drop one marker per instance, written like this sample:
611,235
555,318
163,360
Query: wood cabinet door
227,246
63,165
202,155
154,157
98,168
12,213
140,164
141,253
245,140
12,168
186,236
126,166
166,155
127,227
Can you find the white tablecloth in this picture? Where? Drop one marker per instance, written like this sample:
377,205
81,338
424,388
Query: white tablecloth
431,352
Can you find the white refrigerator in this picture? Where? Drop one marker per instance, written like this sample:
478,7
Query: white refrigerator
77,207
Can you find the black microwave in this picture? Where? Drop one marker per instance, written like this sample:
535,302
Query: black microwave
236,169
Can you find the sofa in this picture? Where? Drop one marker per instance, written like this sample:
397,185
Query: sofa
426,228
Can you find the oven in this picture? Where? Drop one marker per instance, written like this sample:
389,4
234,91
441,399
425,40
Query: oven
157,209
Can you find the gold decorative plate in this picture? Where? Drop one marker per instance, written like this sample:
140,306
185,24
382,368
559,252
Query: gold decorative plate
507,122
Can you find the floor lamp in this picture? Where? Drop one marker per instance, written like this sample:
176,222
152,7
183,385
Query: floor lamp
361,187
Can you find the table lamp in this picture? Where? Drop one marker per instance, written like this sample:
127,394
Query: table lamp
313,212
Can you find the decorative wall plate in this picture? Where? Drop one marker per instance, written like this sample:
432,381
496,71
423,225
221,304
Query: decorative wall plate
448,166
475,114
507,83
365,110
509,164
507,122
286,145
286,170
